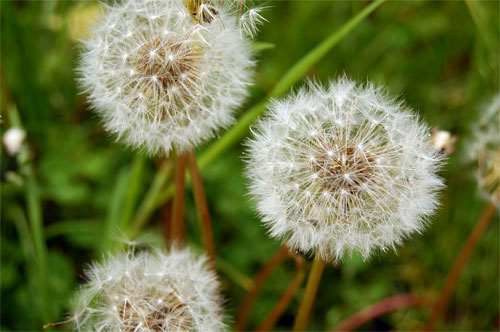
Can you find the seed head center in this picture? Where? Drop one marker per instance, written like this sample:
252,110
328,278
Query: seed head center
165,64
343,169
165,311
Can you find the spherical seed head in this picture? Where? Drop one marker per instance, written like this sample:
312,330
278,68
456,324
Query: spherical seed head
150,291
162,76
342,169
485,150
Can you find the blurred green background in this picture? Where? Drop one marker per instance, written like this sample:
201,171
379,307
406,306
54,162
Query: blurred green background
441,57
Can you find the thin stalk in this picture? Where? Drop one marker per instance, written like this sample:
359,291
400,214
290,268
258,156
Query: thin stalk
310,59
309,294
241,317
149,203
35,218
287,296
238,277
133,189
177,229
380,308
460,261
201,206
240,129
166,215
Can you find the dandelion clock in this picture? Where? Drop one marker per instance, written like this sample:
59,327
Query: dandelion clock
484,148
167,74
342,168
149,291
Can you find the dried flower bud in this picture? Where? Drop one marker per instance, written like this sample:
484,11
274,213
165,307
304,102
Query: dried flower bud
163,75
149,292
443,141
342,169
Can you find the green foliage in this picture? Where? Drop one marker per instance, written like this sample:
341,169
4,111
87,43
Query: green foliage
86,189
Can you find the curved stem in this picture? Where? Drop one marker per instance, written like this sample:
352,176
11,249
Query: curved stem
309,294
241,317
378,309
460,261
287,296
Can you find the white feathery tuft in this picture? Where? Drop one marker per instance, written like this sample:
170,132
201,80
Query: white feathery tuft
250,21
149,291
342,169
162,76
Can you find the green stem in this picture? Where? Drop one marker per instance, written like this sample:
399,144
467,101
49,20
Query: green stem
149,203
309,295
240,129
310,59
133,189
34,206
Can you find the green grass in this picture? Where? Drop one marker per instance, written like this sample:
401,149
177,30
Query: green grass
441,57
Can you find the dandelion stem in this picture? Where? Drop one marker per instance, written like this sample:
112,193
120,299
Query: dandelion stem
460,261
287,296
378,309
177,225
149,203
309,294
201,206
262,276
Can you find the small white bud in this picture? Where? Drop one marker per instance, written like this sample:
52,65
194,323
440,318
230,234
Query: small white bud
13,140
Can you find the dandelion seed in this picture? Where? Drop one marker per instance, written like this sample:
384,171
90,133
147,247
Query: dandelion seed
161,292
181,76
364,181
250,21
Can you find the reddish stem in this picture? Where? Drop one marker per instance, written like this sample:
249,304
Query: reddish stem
264,273
177,225
460,261
166,213
287,296
201,207
378,309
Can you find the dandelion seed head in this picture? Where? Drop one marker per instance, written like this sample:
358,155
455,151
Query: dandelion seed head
484,149
364,181
156,52
149,291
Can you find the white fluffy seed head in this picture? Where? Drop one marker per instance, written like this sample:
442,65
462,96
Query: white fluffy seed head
342,169
149,291
485,150
163,76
